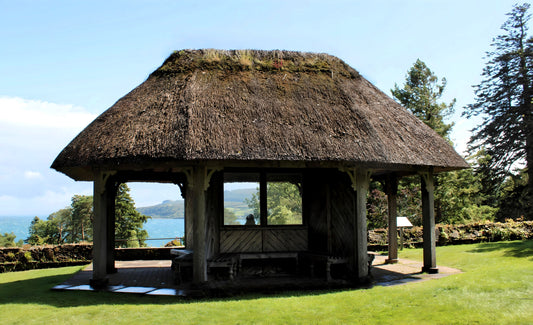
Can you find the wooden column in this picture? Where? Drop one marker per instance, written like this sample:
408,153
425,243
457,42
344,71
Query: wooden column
101,229
197,185
189,233
111,193
361,249
391,189
428,223
360,181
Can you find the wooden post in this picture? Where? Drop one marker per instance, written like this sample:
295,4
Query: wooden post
428,223
188,223
111,192
101,230
196,205
189,233
362,179
391,187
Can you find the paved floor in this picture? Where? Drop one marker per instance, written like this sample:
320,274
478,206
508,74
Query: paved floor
156,278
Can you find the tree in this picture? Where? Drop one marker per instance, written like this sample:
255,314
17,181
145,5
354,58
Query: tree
504,100
41,232
128,221
75,223
82,219
284,204
420,95
61,221
8,240
377,216
230,218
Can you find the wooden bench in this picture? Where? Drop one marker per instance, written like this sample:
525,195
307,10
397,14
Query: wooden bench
268,256
314,258
182,260
228,261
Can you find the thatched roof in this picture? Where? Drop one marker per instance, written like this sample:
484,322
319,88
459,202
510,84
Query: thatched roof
277,106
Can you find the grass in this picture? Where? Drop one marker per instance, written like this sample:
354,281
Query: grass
496,288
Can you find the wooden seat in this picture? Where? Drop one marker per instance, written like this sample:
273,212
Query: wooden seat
328,260
179,265
229,261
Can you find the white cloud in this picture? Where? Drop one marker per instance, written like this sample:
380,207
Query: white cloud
33,113
42,205
32,133
32,175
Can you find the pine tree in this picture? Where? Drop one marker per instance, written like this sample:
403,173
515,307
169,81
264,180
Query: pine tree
420,95
128,221
503,100
81,227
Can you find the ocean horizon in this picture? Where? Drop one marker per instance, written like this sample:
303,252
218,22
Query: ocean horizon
160,231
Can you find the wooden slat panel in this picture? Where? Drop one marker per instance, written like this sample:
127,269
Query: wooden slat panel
342,215
315,203
284,240
234,241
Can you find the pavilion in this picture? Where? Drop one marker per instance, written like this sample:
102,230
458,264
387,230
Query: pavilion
210,117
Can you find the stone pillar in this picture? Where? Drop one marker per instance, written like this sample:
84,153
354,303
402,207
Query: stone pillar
428,223
101,231
391,189
197,185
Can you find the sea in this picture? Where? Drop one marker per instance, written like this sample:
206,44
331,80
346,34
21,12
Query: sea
160,231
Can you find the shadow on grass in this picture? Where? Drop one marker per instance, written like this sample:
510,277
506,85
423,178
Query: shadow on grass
519,249
38,291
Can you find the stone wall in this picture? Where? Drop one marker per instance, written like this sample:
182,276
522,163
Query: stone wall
40,257
37,257
458,234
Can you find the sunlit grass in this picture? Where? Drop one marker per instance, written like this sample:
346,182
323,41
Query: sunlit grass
495,288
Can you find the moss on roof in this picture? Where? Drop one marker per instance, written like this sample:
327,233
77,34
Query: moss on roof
256,106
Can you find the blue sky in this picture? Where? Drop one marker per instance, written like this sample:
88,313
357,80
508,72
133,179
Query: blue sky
62,63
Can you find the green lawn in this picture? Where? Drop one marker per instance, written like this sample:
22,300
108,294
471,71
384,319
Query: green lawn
496,288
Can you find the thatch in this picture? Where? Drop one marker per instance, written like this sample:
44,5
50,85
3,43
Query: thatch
212,105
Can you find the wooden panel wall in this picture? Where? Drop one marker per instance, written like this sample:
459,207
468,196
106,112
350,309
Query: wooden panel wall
263,240
315,207
284,240
240,240
331,209
342,215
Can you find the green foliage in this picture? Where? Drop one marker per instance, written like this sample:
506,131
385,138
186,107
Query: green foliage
513,197
284,204
461,195
82,219
377,208
420,95
74,224
8,240
253,203
504,101
128,221
230,218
